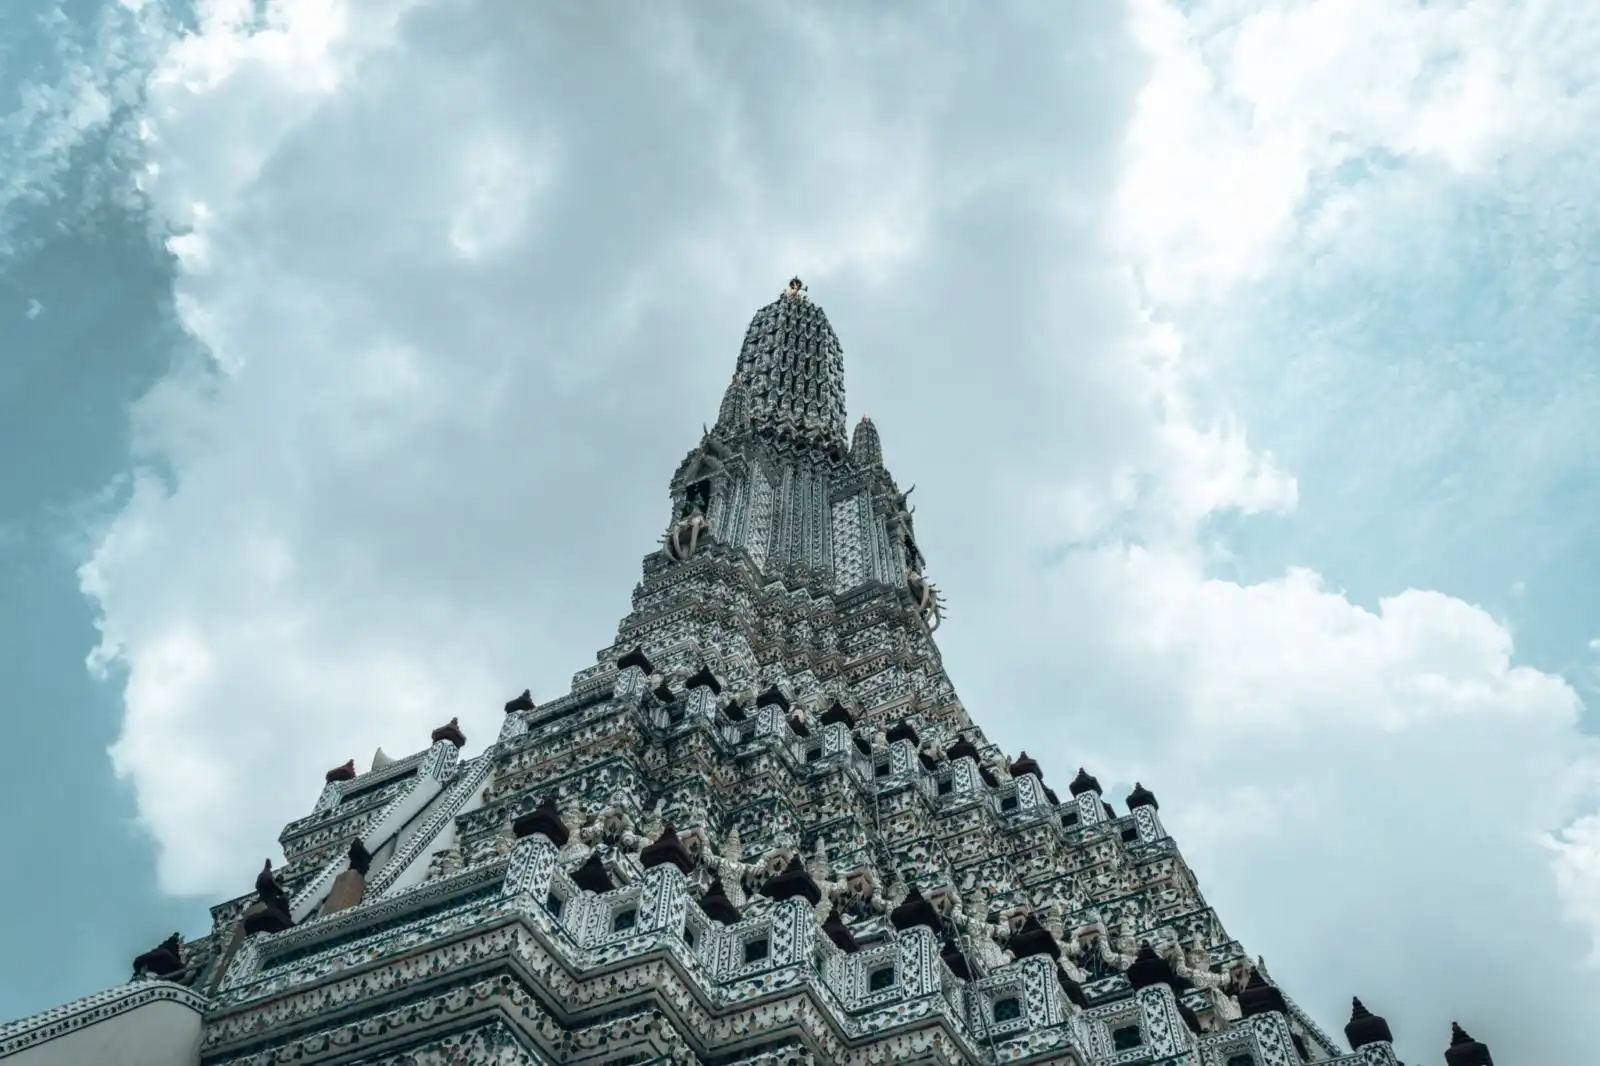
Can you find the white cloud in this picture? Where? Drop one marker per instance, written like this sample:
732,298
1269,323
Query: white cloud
1252,103
79,73
1577,849
473,279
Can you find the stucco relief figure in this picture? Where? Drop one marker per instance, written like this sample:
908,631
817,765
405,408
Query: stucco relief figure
928,600
686,536
981,937
738,877
785,847
505,840
612,824
443,863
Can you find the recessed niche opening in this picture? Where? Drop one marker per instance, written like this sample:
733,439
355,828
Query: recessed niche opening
756,950
697,497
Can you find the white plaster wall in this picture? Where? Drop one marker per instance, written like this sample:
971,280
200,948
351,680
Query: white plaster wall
161,1033
400,812
418,870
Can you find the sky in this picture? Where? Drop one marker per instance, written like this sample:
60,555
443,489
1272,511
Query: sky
1242,354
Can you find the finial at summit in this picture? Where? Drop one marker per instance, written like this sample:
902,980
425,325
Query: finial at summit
797,289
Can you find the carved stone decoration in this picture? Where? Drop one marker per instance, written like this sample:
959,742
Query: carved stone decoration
445,862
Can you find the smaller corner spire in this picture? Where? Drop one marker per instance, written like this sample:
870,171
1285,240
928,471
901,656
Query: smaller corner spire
866,447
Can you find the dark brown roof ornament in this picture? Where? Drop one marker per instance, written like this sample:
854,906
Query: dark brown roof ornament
667,849
523,702
1149,969
1032,938
795,880
1465,1051
270,912
593,876
1365,1028
450,731
840,933
1025,764
163,961
1259,997
716,904
914,910
347,772
963,748
544,819
269,890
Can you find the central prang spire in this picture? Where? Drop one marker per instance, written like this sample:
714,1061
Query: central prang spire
791,372
778,479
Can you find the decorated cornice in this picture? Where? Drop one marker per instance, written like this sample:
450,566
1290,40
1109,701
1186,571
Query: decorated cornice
25,1033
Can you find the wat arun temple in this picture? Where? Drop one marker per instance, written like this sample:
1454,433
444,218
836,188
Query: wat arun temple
760,830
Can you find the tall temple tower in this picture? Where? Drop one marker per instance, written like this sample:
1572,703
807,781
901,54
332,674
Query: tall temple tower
761,829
